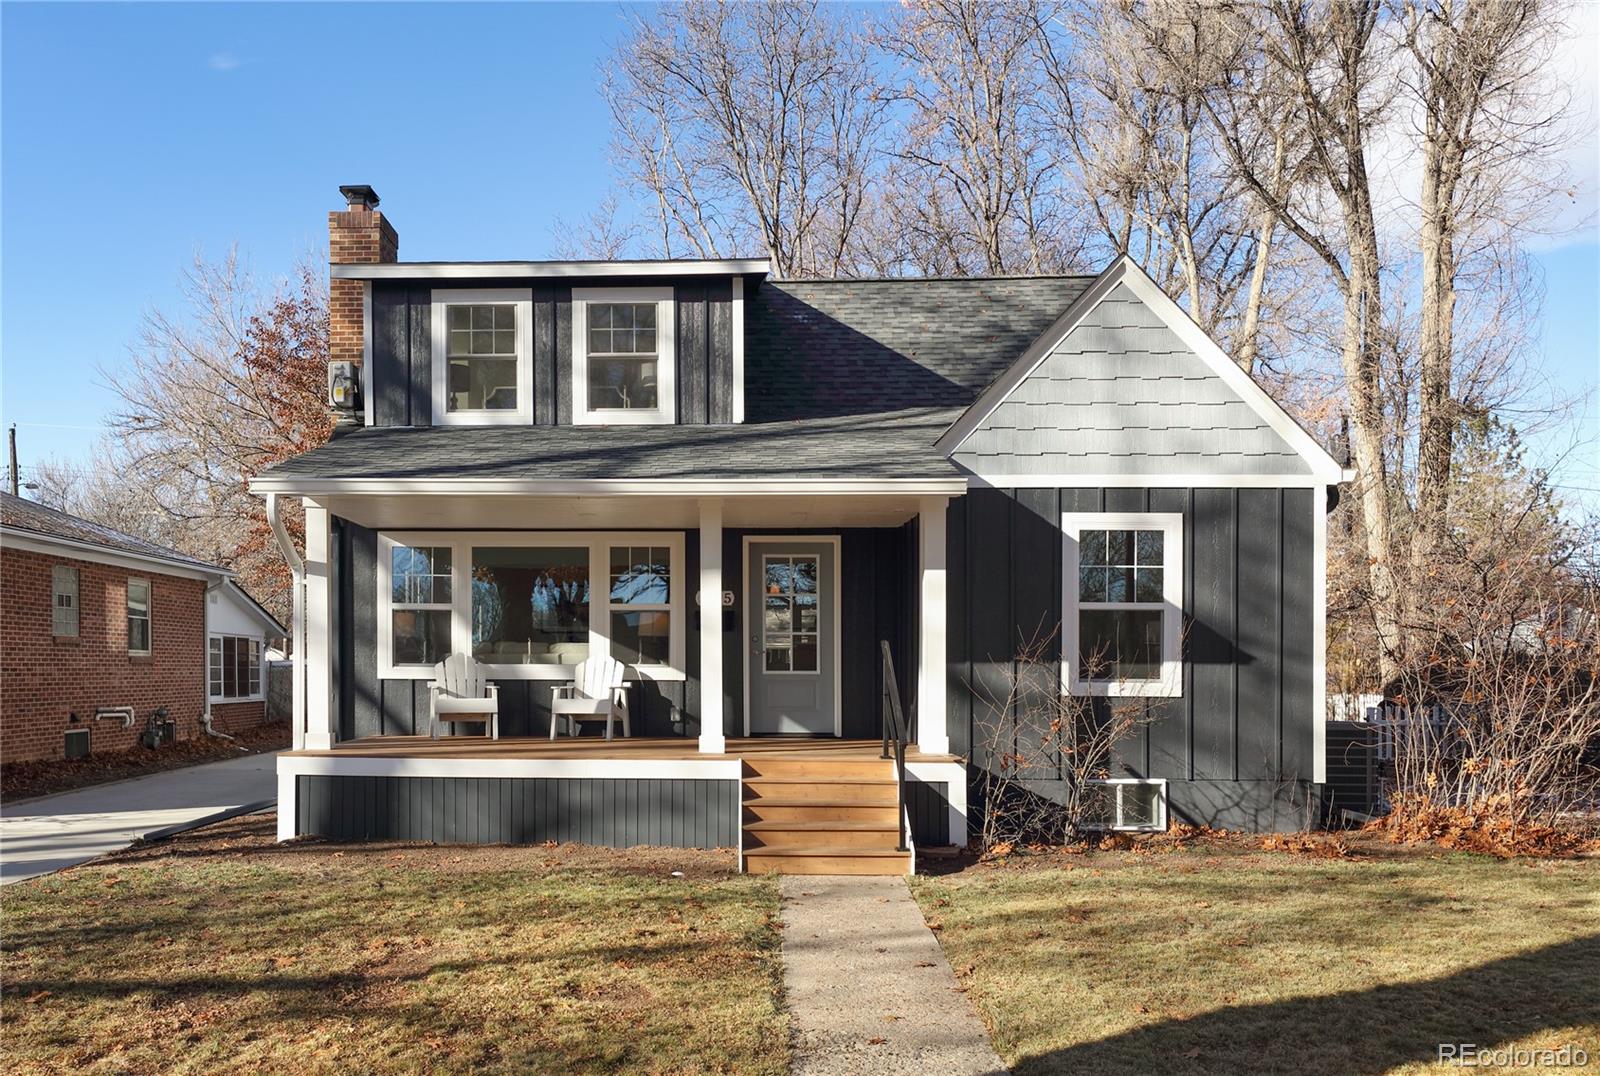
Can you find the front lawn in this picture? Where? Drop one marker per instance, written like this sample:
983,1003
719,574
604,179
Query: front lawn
1224,961
223,952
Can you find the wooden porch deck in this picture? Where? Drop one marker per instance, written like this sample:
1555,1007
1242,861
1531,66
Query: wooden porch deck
597,747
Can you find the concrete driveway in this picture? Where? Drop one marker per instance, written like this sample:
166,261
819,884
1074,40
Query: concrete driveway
52,832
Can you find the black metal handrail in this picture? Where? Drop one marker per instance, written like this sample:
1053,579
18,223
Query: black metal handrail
895,733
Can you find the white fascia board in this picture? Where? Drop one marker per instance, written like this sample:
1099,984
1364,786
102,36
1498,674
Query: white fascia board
503,270
1124,270
34,542
612,487
1146,481
659,769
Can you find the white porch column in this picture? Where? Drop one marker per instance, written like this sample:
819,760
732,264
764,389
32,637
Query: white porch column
933,735
712,741
318,641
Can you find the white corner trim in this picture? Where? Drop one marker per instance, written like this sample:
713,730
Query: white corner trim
288,809
1124,270
747,663
953,775
666,410
522,414
1170,685
738,349
1319,640
570,269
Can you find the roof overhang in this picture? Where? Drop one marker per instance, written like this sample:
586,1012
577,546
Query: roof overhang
34,542
952,486
1124,270
758,267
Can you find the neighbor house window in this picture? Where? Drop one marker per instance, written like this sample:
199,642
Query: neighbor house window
420,596
1123,603
63,600
532,605
483,368
138,616
235,667
623,355
1125,803
641,604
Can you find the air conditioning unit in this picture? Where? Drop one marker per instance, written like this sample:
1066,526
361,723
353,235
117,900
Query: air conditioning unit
76,743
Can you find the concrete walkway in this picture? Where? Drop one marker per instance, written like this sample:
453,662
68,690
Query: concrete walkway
52,832
868,987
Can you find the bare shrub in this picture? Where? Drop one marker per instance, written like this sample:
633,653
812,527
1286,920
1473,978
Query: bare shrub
1040,750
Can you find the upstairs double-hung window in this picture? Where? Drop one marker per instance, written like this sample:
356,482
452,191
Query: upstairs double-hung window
624,368
483,367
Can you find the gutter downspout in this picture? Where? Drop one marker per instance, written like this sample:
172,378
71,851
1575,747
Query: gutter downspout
297,572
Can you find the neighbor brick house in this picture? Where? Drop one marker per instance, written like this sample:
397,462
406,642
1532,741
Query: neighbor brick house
107,640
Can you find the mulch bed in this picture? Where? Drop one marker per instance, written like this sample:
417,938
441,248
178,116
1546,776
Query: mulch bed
25,780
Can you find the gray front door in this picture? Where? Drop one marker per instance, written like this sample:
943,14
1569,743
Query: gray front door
793,620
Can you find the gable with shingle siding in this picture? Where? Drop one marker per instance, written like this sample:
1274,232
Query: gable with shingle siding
1122,394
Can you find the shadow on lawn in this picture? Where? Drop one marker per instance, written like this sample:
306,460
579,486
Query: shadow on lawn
1362,1031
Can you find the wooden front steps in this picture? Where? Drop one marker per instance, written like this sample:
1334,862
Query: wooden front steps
809,815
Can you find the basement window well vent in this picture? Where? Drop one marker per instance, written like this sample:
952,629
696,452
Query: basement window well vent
76,744
1125,803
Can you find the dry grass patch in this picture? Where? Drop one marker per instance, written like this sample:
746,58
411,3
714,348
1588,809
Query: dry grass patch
1224,961
227,952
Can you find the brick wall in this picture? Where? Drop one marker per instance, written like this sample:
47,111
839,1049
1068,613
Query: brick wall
354,236
45,680
238,716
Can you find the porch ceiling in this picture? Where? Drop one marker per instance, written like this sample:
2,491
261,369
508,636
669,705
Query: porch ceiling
480,511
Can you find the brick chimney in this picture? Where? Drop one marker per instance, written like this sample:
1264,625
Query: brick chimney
357,234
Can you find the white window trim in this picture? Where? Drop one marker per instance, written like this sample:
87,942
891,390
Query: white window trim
1170,683
1160,824
666,411
261,664
149,614
75,606
599,545
522,414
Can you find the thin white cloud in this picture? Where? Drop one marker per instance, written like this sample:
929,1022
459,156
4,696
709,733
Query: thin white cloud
223,61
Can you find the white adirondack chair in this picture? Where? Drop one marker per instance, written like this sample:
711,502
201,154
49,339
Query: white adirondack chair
596,693
460,692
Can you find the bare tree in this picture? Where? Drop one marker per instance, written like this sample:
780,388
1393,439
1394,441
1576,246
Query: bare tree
749,124
979,178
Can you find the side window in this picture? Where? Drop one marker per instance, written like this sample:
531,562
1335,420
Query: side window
64,600
420,595
138,616
1123,603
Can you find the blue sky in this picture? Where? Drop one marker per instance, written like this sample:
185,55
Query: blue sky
132,136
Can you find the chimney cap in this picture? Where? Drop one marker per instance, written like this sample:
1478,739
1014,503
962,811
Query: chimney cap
360,196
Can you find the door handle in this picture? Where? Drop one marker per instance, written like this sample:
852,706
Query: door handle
755,644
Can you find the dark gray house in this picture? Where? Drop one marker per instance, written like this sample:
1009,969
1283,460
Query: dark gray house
750,491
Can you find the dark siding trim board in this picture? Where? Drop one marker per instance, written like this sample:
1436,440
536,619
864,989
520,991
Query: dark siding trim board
615,812
1245,717
928,805
402,345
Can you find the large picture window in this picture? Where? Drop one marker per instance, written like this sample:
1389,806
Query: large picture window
483,356
623,355
1122,603
235,667
530,605
533,604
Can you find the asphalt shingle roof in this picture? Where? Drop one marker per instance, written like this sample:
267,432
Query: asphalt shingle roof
35,518
884,445
830,347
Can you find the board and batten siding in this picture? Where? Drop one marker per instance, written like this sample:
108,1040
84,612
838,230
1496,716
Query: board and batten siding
1237,747
402,346
1122,394
618,812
